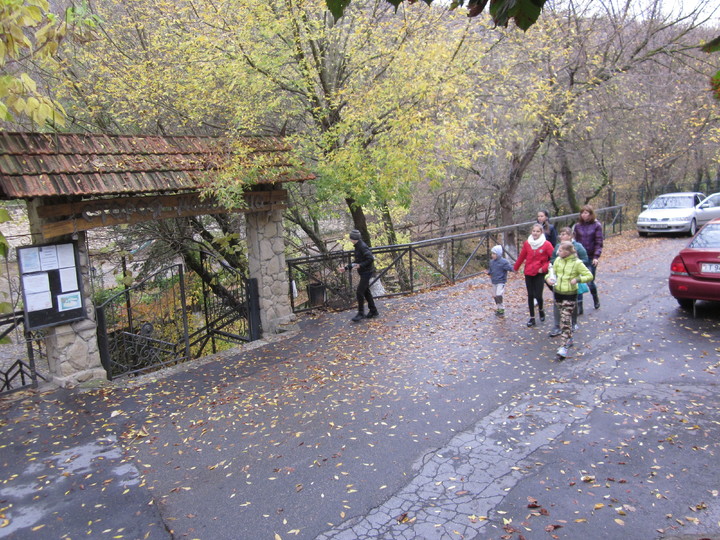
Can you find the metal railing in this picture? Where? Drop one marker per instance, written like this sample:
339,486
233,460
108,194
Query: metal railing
145,326
409,268
17,368
152,325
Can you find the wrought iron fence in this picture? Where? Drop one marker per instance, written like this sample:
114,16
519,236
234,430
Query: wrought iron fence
144,326
231,307
18,368
409,268
172,316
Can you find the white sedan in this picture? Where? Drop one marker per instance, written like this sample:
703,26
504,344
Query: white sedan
682,212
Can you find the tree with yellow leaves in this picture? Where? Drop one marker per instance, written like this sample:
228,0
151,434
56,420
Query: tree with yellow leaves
358,98
27,31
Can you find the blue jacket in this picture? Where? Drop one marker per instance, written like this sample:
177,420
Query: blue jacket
498,270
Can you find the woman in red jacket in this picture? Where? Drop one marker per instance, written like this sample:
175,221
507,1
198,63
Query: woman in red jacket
535,253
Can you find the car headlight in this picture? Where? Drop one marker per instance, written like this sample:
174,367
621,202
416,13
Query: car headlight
642,220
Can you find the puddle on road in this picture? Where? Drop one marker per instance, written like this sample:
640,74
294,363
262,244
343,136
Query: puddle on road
27,494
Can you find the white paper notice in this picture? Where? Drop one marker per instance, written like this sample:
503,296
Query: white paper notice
66,256
36,283
68,280
38,301
48,258
29,260
69,301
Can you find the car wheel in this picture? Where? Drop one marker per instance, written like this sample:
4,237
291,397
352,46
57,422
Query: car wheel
641,233
693,228
685,303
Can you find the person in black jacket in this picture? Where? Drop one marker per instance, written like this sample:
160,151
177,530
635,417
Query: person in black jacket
543,218
365,264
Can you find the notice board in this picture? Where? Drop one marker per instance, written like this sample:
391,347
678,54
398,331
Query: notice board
51,285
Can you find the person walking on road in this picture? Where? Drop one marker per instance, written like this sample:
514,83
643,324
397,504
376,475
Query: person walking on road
564,275
589,232
543,218
566,235
498,268
364,262
535,253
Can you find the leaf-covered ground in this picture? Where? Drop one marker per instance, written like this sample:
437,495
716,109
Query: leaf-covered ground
436,420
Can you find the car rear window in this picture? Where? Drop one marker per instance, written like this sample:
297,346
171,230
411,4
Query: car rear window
708,237
672,202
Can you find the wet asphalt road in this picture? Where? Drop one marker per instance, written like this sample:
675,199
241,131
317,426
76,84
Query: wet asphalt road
435,421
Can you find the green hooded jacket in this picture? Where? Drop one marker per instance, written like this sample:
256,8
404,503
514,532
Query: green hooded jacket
563,270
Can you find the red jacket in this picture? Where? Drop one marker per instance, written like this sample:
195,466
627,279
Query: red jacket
537,260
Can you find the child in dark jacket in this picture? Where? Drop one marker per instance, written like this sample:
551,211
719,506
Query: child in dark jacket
498,269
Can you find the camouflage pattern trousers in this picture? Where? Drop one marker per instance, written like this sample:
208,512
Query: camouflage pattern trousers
566,311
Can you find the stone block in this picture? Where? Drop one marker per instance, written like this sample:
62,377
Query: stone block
85,326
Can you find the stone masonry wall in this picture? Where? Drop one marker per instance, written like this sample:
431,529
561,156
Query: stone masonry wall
72,350
266,260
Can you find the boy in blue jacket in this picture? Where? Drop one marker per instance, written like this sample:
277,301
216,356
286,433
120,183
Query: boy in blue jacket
498,269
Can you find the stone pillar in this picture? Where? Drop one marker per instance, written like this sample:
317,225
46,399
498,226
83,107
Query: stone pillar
72,349
266,262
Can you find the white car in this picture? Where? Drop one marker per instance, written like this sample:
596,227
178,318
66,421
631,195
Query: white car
683,212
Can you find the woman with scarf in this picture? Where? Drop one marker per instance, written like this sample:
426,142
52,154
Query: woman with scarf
535,253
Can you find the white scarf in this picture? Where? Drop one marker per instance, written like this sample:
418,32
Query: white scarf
535,244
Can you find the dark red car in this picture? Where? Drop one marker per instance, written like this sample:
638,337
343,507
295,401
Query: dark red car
695,271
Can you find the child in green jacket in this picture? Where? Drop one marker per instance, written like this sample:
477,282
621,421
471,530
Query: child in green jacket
564,275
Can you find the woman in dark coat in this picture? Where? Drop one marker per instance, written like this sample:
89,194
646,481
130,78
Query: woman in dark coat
588,231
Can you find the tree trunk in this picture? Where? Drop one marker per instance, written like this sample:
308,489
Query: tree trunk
233,245
567,177
296,217
193,263
389,226
402,274
519,162
359,220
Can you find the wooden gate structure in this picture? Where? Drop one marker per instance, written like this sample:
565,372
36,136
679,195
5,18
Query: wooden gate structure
72,183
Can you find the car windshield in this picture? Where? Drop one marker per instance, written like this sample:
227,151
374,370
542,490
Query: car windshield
674,201
708,237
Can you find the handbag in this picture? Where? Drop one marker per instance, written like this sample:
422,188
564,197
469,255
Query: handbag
583,288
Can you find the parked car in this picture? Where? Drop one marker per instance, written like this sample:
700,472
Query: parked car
682,212
695,271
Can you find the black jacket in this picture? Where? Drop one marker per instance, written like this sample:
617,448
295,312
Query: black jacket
550,233
363,257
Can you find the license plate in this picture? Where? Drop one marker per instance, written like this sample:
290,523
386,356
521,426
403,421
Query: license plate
658,226
710,268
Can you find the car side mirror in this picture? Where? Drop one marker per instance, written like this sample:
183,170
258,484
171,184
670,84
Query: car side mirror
645,206
705,205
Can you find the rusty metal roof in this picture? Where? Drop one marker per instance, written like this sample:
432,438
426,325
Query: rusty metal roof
50,165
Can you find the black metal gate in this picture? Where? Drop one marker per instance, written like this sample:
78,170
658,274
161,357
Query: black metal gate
154,324
231,306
